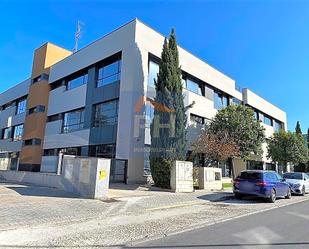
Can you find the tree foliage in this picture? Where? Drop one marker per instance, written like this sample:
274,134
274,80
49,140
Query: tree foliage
168,144
287,147
298,128
242,128
216,147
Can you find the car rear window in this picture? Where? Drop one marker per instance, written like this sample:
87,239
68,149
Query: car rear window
296,176
251,175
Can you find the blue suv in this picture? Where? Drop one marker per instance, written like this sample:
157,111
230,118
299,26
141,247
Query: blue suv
261,183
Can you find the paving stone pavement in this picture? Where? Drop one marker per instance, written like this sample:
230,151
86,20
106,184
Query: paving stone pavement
38,217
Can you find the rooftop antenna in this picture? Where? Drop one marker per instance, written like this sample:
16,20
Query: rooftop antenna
78,35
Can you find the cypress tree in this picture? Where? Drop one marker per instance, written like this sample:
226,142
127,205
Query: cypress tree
167,144
298,129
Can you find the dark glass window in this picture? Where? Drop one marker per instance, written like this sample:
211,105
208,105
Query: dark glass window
73,151
193,86
73,121
7,133
236,101
105,114
39,108
76,82
33,141
220,101
53,118
18,132
50,152
21,106
153,73
108,74
103,150
278,125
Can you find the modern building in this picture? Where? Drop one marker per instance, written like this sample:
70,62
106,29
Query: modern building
95,102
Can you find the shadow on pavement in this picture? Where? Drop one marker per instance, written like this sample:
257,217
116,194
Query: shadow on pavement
28,190
229,198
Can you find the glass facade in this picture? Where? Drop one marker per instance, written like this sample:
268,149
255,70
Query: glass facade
18,132
105,114
109,74
220,101
73,121
153,73
76,82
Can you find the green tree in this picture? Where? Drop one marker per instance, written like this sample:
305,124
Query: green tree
242,128
168,144
298,129
287,147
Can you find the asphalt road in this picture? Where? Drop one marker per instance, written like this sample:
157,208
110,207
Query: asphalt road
285,227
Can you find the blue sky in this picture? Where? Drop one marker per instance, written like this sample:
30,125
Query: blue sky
263,45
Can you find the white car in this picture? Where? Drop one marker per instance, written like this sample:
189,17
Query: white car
298,181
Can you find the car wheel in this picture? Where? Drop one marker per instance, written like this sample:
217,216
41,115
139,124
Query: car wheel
303,191
288,194
272,197
238,196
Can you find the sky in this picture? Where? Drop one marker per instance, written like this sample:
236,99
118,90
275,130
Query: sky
263,45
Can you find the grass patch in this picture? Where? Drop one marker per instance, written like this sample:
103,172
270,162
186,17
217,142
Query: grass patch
227,185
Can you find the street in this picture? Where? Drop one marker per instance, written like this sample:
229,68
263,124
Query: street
285,227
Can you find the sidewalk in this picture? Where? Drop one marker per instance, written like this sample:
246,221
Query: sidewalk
39,217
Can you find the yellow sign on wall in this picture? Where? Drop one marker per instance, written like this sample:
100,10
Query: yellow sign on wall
102,174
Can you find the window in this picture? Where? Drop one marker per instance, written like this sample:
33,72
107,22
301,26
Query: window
21,106
103,150
256,115
153,73
196,120
236,101
53,118
33,141
40,77
7,133
106,114
221,101
73,151
73,121
36,109
109,74
76,82
8,105
50,152
18,132
193,86
278,125
268,120
149,111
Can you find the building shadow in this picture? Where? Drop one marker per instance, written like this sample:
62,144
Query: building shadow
39,191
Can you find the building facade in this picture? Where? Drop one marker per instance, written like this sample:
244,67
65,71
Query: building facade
97,102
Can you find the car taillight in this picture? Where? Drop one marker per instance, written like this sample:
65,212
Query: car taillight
261,184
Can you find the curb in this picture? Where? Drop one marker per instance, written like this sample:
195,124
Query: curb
206,224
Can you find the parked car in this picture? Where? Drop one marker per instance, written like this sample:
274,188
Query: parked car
298,181
261,183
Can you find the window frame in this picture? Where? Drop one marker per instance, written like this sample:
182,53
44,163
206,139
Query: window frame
80,124
102,123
